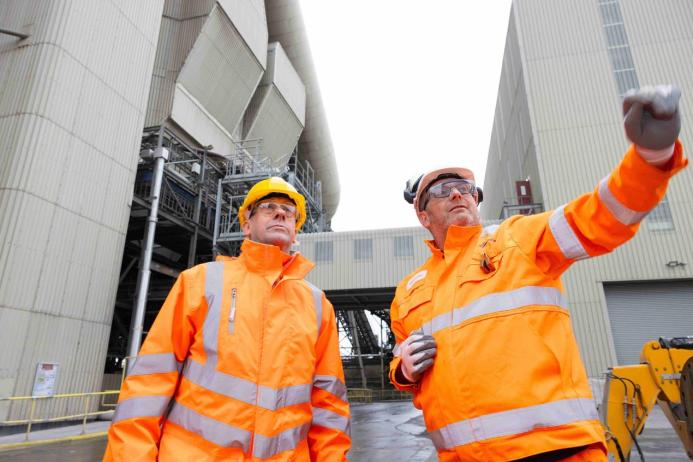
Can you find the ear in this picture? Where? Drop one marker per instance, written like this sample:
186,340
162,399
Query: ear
423,219
246,229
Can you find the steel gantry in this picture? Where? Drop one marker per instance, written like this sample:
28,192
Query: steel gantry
185,211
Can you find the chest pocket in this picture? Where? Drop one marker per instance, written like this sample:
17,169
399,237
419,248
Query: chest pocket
484,264
415,306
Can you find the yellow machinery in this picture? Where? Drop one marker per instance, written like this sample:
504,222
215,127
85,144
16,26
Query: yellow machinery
665,377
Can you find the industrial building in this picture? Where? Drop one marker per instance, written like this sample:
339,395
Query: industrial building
130,133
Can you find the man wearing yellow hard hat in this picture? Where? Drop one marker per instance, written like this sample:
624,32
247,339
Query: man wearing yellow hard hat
242,362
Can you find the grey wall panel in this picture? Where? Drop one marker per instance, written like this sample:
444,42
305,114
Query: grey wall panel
563,27
282,74
277,125
72,103
646,311
382,270
285,25
248,17
277,110
177,35
220,73
512,152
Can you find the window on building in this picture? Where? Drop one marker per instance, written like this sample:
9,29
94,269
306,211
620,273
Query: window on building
660,218
611,12
323,251
626,79
617,45
404,246
363,249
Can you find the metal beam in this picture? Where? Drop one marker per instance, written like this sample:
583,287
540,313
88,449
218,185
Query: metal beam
138,312
163,269
14,33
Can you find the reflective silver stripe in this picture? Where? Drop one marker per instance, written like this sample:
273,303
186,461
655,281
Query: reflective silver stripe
158,363
245,390
514,422
395,350
317,299
496,303
219,433
275,398
224,384
329,419
622,213
141,406
214,282
565,236
265,447
488,230
331,384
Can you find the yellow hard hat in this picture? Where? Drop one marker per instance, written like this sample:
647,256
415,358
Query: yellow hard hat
274,185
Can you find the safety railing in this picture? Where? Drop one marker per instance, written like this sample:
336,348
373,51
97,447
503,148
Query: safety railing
88,401
369,395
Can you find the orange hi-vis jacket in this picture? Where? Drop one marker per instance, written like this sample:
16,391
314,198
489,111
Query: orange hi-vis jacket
508,381
242,363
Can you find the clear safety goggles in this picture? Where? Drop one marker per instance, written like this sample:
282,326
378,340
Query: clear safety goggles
444,189
271,209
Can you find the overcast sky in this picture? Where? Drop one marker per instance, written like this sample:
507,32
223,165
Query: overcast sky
408,86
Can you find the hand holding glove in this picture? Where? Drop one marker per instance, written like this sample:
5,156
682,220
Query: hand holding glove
417,353
652,121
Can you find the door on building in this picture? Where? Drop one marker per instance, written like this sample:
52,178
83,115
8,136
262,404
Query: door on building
646,310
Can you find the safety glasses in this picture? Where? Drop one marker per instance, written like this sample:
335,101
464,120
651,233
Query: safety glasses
442,190
271,209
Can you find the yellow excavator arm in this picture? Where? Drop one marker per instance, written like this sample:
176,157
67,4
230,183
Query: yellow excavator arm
664,377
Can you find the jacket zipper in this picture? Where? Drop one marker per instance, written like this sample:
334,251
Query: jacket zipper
262,340
232,313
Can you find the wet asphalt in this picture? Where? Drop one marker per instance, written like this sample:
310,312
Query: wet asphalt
391,431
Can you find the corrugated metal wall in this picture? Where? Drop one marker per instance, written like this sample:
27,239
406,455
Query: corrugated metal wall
220,73
277,111
72,107
637,315
382,269
575,113
180,25
512,154
210,58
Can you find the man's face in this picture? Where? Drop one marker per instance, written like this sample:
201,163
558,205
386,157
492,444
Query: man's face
271,225
441,212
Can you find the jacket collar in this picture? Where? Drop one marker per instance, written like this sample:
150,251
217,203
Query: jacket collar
270,260
458,238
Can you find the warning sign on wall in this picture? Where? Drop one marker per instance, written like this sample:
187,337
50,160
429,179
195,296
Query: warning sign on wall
44,382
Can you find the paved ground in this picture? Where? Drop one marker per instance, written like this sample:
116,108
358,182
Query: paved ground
381,432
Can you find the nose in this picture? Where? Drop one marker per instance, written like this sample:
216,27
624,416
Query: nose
455,193
280,213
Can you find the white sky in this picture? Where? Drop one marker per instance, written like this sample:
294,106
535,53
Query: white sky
408,86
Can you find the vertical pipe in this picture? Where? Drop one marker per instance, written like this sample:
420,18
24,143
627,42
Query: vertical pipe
196,213
136,325
31,418
354,335
86,412
382,353
217,217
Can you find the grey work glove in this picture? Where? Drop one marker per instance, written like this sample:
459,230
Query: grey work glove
652,120
417,353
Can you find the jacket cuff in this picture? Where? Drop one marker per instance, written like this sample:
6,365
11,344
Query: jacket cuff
657,157
400,384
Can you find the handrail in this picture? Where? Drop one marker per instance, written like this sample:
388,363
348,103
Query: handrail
87,397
